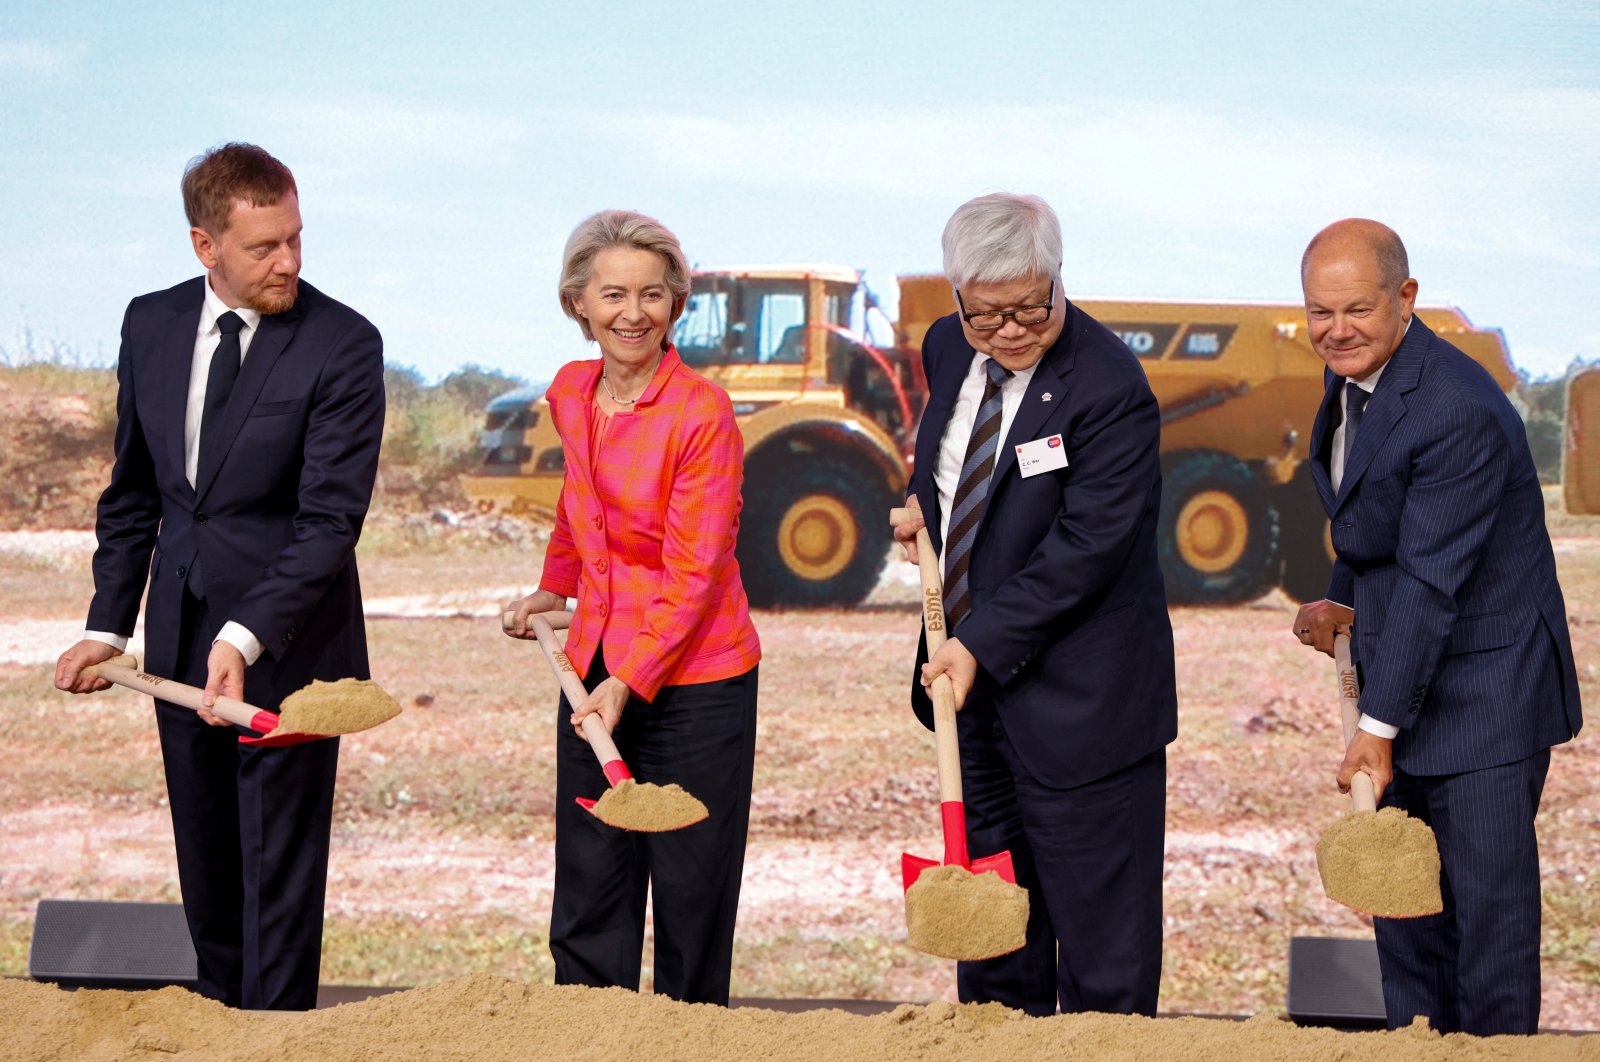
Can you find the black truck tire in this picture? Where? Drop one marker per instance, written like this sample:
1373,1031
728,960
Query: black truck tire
1218,533
812,535
1307,545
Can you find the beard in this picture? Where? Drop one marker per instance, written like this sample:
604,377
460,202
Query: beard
271,302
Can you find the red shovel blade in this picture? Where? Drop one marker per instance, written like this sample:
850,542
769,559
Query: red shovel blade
278,740
999,863
911,867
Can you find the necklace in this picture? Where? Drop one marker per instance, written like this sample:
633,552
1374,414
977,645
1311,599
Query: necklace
619,401
623,401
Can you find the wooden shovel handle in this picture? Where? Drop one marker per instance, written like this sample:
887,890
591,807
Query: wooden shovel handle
558,620
543,625
124,671
941,691
1361,791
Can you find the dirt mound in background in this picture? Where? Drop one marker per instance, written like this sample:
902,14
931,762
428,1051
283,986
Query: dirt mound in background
487,1017
56,426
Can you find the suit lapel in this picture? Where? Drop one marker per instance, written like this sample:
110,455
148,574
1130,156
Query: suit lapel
1387,405
1048,379
274,335
583,408
176,358
1321,429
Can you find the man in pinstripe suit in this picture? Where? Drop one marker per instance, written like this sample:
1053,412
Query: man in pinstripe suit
1446,577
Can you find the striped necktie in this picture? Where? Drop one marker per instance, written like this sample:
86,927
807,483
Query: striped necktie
972,491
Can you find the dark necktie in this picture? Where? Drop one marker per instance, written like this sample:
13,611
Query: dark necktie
972,491
1355,403
219,381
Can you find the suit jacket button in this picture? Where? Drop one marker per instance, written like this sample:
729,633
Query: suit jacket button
182,571
600,565
199,518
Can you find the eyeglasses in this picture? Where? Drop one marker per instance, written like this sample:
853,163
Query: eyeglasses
989,320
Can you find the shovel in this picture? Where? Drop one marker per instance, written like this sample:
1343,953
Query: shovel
1382,863
124,671
952,811
967,909
660,808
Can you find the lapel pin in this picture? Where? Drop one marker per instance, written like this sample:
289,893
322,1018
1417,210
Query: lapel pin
1046,397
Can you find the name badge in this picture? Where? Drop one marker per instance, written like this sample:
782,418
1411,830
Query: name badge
1041,455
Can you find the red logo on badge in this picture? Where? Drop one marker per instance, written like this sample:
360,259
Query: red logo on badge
1054,441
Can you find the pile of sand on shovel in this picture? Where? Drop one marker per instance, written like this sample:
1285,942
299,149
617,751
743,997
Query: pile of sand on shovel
1383,863
341,707
648,808
956,914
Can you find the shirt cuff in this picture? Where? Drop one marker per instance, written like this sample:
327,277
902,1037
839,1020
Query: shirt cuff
1378,727
119,642
239,636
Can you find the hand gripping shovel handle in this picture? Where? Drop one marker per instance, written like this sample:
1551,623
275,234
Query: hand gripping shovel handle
1361,791
594,731
124,671
952,809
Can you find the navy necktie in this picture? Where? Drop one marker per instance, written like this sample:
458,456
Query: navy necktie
1355,403
219,380
972,492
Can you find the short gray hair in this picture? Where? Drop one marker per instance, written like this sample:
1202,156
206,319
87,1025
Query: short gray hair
619,228
1394,266
1000,237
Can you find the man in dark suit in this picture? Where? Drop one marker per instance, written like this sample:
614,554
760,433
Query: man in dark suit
1444,569
249,415
1038,467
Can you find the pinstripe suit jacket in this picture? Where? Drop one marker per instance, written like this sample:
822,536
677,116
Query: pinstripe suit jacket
1438,526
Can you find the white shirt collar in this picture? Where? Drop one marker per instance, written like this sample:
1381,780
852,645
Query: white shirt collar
213,307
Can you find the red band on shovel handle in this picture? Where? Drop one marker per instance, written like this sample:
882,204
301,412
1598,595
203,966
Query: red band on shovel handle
263,722
953,815
616,772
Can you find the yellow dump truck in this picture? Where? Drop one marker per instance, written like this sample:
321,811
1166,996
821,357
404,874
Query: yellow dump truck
829,422
827,419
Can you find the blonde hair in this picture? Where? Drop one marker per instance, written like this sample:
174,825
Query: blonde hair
619,228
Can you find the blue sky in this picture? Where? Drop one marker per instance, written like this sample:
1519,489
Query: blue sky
444,152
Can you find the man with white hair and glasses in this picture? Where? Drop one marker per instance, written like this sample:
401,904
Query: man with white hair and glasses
1038,469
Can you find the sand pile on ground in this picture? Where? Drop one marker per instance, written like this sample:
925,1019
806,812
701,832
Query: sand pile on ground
1381,863
650,808
956,914
342,707
491,1018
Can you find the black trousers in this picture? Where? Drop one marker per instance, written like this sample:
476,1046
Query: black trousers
252,828
703,737
1091,860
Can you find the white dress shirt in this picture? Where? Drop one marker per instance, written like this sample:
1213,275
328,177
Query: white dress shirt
953,447
207,338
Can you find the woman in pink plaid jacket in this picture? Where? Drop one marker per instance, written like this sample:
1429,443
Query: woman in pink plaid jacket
661,633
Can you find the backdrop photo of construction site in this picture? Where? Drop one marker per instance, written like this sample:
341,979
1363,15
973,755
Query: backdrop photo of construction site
441,860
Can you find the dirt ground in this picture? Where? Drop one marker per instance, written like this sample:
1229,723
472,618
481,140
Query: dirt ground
442,839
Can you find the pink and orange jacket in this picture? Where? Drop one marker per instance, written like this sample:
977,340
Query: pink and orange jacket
645,531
